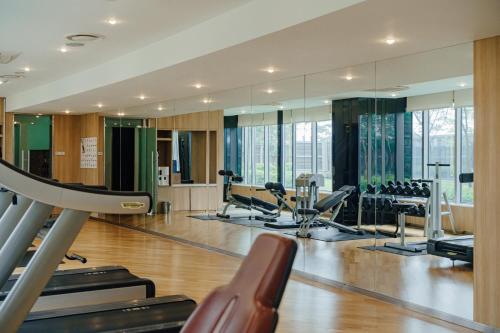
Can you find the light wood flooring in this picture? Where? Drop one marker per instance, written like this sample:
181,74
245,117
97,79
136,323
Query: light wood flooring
427,280
177,268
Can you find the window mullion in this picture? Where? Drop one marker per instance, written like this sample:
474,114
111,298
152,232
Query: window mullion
458,153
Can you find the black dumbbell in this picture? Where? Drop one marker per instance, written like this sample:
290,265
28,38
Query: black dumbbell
417,190
389,205
366,204
391,188
408,189
371,189
413,211
421,210
379,205
383,189
426,191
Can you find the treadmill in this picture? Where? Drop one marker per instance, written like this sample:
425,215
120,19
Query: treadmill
165,314
454,248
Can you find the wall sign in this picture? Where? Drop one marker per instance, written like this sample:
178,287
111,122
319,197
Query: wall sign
88,153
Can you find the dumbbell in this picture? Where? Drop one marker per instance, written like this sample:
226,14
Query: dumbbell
383,189
367,204
379,204
391,187
413,211
417,190
421,210
426,191
400,190
408,189
389,205
371,189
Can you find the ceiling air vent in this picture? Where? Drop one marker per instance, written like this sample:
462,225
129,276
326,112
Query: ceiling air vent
83,37
7,57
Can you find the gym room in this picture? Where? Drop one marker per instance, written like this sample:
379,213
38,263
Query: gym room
172,166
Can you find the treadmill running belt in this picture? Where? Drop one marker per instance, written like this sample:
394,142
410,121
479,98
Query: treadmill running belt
161,314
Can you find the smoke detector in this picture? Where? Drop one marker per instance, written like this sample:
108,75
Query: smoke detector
7,57
84,37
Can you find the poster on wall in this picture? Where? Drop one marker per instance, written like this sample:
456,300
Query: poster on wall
88,153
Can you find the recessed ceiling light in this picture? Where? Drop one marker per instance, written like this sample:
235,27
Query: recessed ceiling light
394,95
142,97
326,101
348,77
1,82
120,114
390,40
67,111
462,84
63,49
26,69
269,91
160,108
198,85
243,111
99,105
37,116
270,70
207,100
112,21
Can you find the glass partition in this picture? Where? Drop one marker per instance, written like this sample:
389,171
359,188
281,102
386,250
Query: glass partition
428,144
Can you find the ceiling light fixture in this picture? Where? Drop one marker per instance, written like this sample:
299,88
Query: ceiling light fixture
198,85
462,84
243,111
326,101
120,114
99,105
270,70
142,97
390,40
1,82
348,77
67,111
112,21
394,95
27,69
63,49
207,100
160,108
269,91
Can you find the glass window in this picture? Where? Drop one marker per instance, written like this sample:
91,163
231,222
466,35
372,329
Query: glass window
376,147
324,151
303,148
442,147
417,144
247,155
467,152
288,155
390,147
272,143
259,155
363,151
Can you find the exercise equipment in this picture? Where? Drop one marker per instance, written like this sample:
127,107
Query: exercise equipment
401,210
331,203
307,189
454,248
244,202
278,191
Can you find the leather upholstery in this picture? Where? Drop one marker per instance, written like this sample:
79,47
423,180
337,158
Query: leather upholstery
249,303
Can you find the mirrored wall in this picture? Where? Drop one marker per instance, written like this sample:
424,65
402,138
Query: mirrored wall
360,165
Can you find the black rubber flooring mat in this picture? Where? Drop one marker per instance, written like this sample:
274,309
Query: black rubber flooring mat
333,235
394,251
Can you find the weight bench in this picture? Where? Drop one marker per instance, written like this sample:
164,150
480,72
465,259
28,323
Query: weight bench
331,203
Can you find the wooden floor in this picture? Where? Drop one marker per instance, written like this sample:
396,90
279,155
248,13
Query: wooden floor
182,269
427,280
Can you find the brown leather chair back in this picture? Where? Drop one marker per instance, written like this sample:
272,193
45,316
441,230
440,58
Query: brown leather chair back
250,301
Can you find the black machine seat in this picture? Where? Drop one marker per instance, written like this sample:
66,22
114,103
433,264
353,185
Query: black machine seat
241,198
403,207
264,204
278,187
324,204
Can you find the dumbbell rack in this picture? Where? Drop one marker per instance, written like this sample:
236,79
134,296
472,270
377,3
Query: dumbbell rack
392,196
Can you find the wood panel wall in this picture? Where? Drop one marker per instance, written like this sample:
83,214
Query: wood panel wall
487,181
67,130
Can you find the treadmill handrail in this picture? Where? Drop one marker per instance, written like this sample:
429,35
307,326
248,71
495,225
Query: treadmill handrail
70,196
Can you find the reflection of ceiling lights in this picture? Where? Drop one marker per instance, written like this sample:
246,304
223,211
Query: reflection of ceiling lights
269,91
348,77
394,95
198,85
207,101
111,21
142,97
462,84
390,40
389,89
27,69
160,108
63,50
67,111
99,105
121,114
270,70
11,76
1,82
243,111
326,101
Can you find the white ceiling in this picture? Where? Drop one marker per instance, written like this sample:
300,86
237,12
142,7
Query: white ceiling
348,35
37,29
